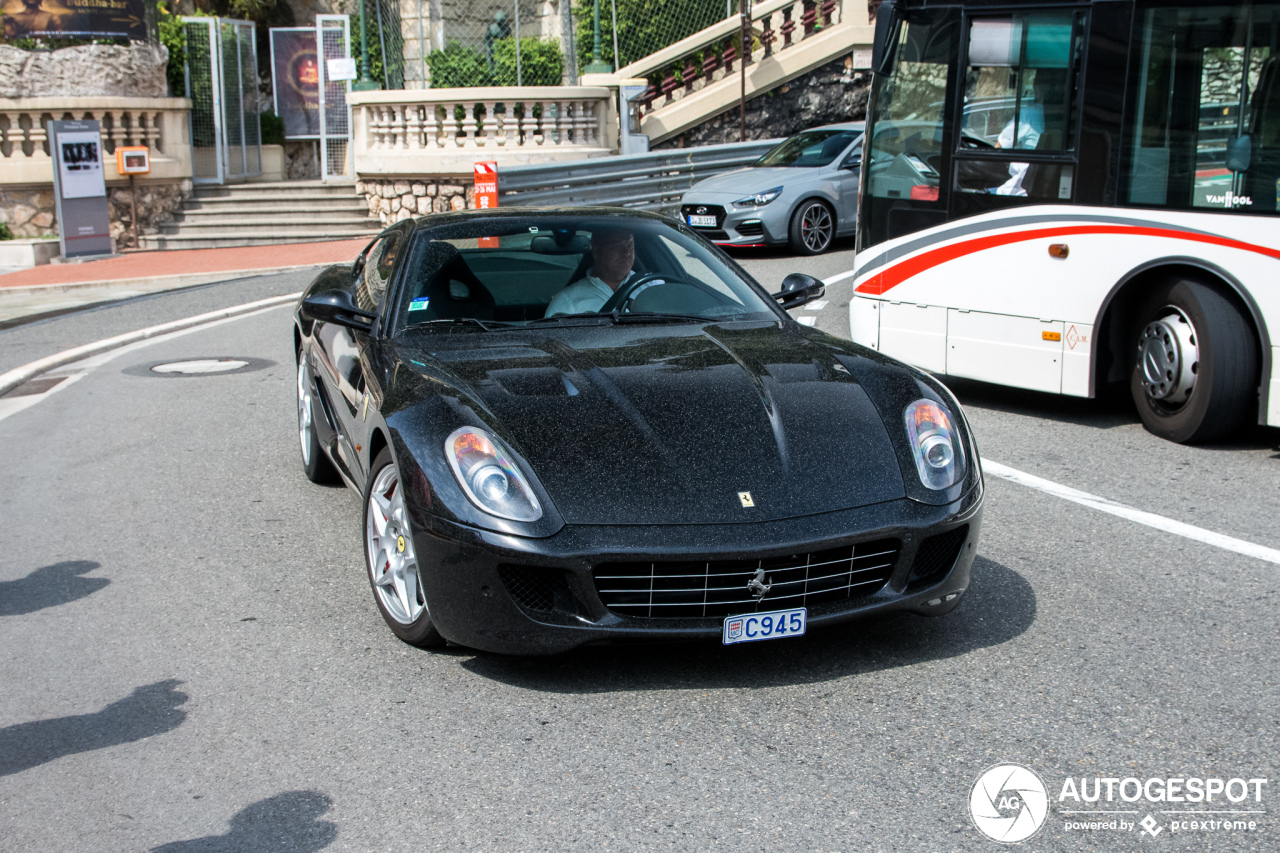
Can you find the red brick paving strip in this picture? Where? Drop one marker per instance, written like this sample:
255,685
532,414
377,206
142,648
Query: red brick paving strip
135,265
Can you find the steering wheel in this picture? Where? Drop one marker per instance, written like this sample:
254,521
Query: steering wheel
626,294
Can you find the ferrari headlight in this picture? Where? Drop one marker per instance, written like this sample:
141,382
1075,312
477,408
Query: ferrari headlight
491,480
759,199
935,444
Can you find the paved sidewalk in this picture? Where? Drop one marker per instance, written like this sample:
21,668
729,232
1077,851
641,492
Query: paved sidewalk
54,287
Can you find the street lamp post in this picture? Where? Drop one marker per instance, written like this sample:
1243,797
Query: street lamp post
597,64
365,83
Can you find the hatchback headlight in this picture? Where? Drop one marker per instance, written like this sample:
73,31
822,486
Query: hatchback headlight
489,477
935,444
759,199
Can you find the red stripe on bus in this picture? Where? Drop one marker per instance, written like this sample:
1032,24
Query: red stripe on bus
898,273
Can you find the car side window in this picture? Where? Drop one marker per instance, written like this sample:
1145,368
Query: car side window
377,271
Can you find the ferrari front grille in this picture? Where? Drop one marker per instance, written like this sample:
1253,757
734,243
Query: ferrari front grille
694,589
935,557
534,588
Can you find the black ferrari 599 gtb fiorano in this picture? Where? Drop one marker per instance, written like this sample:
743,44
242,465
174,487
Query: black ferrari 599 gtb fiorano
586,426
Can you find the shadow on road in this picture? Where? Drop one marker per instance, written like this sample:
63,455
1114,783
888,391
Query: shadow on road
288,821
1000,606
49,586
149,710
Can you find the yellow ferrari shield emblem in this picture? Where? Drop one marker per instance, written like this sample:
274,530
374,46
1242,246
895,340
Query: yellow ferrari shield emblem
745,497
400,543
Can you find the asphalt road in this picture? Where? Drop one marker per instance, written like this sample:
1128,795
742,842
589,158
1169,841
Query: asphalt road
190,657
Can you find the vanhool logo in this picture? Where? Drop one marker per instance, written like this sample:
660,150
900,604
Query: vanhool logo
1009,803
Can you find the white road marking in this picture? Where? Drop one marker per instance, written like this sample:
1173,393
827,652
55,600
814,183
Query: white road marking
816,306
1159,522
76,370
841,277
807,321
15,377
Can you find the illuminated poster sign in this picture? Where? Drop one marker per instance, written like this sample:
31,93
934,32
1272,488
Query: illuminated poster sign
80,189
62,18
296,78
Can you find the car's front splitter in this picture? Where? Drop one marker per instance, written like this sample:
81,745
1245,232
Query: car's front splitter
475,581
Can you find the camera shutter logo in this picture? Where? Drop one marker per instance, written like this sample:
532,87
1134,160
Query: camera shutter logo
1009,803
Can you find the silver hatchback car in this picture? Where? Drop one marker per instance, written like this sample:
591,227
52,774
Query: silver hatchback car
804,193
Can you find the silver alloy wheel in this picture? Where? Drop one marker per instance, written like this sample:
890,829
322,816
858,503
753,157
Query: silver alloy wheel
1170,358
304,411
393,565
816,226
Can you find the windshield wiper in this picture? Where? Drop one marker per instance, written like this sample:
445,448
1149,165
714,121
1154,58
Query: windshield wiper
660,317
487,325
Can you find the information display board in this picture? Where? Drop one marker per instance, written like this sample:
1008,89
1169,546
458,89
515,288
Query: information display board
80,188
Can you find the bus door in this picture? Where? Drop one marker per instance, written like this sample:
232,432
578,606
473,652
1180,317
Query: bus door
1016,147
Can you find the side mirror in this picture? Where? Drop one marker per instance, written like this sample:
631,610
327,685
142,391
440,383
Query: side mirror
853,164
1239,152
888,19
337,307
797,289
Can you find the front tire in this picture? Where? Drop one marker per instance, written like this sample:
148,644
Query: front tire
813,227
391,559
1195,377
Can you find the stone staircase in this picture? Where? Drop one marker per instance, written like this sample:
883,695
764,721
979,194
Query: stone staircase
256,214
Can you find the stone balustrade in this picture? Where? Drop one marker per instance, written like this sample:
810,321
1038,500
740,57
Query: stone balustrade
159,123
777,26
445,131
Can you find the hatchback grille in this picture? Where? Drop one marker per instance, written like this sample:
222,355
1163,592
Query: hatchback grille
702,210
935,557
692,589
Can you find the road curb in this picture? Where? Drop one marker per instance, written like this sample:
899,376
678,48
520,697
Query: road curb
19,375
172,281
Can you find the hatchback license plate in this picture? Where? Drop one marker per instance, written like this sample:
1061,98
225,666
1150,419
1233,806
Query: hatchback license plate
765,626
702,221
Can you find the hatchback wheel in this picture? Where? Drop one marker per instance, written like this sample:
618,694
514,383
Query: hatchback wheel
813,227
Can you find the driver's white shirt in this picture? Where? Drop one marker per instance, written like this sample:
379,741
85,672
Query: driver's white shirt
585,295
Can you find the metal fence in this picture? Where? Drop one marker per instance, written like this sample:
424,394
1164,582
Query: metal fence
644,181
222,83
630,30
384,41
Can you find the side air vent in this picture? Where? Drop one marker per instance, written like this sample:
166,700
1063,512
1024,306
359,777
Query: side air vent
935,557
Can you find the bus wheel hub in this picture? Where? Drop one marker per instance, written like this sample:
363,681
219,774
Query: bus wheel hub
1169,357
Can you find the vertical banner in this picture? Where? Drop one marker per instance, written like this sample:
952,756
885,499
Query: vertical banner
486,194
296,80
80,188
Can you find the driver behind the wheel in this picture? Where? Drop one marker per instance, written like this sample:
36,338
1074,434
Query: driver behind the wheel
613,251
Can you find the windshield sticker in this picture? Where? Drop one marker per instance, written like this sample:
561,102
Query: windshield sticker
420,304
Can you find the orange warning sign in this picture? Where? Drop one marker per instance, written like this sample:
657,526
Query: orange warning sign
486,194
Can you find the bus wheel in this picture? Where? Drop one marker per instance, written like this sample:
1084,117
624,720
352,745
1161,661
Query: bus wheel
1196,372
813,226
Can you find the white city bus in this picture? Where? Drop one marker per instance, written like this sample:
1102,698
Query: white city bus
1061,196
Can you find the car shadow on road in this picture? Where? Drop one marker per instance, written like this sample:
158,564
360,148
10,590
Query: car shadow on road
288,821
49,586
999,606
149,710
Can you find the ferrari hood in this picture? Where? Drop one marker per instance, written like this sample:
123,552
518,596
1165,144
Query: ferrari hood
683,425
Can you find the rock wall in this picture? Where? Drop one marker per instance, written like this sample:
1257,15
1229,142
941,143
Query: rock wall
135,70
828,94
394,200
30,212
301,159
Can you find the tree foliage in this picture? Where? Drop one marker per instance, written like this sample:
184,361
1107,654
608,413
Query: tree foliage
644,26
458,66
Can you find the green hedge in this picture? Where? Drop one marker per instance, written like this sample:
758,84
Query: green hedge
541,64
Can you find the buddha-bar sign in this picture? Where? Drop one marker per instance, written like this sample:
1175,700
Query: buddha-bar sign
296,80
67,18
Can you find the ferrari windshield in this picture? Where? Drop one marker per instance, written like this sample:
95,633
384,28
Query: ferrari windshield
512,271
812,148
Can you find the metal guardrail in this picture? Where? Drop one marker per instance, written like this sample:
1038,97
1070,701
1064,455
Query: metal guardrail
653,181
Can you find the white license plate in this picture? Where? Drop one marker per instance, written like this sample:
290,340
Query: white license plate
702,221
765,626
